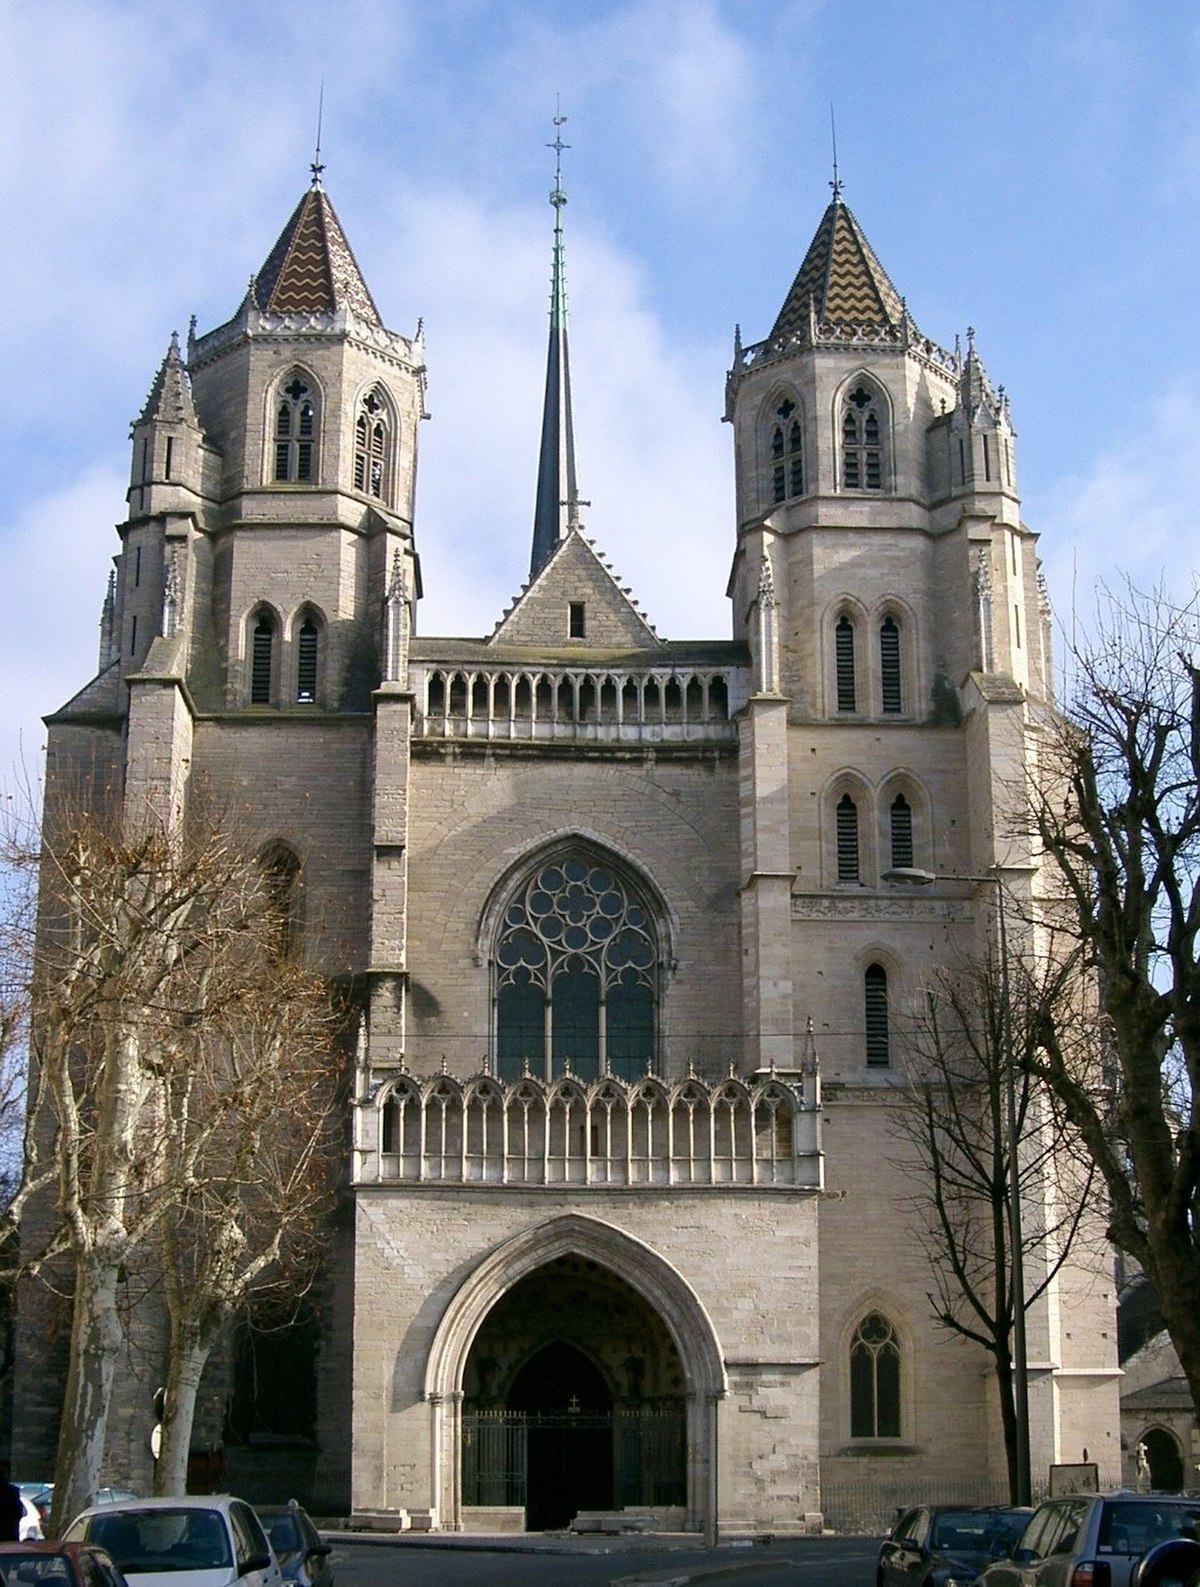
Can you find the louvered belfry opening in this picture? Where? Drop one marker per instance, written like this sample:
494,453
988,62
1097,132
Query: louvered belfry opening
261,655
847,840
889,666
306,662
901,833
875,997
847,697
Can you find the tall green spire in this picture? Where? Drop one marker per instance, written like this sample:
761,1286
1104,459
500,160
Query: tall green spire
557,504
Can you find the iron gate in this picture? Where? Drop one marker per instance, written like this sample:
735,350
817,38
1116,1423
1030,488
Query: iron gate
648,1448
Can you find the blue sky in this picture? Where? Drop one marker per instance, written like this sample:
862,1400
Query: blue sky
1031,168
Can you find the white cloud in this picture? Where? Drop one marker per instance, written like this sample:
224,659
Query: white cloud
57,556
1132,509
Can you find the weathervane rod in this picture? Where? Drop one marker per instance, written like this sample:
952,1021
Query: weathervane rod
316,167
836,184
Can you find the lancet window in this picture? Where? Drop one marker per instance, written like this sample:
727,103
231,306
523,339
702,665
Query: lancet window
890,686
296,431
875,1379
901,824
875,1008
862,440
281,876
308,642
846,817
372,448
843,655
787,452
262,658
576,974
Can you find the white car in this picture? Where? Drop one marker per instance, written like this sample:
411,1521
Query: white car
210,1540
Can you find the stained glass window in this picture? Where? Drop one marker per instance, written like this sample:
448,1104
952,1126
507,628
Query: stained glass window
576,974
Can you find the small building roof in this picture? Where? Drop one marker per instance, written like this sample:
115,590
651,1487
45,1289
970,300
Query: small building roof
1171,1394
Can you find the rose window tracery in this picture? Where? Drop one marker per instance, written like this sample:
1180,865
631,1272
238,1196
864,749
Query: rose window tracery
576,974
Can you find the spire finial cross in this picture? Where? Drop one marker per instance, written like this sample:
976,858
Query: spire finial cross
836,184
558,198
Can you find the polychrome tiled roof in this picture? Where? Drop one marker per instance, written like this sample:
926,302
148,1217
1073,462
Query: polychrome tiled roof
311,269
843,279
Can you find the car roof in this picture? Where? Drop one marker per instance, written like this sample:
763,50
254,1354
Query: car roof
49,1546
1129,1496
182,1501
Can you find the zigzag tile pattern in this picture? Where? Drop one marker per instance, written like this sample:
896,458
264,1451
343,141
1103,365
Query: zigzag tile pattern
842,276
311,269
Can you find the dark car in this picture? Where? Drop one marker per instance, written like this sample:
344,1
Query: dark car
303,1557
57,1565
1092,1539
946,1545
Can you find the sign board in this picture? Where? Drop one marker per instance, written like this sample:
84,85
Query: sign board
1082,1478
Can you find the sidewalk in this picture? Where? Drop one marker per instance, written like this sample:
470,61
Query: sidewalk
564,1542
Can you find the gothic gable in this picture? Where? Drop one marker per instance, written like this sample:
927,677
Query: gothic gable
574,600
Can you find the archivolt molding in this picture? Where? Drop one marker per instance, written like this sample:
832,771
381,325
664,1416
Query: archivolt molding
660,1284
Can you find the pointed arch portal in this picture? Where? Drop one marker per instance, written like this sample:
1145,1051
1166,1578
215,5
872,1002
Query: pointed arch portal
575,1369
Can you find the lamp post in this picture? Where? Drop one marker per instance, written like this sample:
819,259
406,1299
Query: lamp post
911,876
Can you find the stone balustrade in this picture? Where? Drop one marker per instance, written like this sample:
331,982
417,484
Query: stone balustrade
608,1132
662,705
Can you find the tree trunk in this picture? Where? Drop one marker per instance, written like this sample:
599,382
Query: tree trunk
1008,1419
1175,1273
95,1343
188,1358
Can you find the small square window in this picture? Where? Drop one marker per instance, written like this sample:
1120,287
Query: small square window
576,622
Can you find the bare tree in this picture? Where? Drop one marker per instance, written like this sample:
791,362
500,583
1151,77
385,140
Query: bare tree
17,897
253,1217
955,1126
1117,810
145,937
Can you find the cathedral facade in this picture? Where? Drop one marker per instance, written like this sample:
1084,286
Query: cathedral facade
625,915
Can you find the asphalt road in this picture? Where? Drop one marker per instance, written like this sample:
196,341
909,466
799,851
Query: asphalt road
797,1562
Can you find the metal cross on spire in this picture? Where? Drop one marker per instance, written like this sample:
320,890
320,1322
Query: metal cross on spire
558,198
557,505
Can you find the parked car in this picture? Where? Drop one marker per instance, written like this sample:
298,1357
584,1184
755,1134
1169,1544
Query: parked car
946,1545
1175,1563
303,1557
57,1565
1092,1540
113,1495
210,1540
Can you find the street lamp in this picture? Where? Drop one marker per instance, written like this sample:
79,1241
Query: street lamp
911,876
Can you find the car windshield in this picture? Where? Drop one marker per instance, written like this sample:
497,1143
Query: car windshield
975,1531
1133,1528
162,1539
284,1532
36,1570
